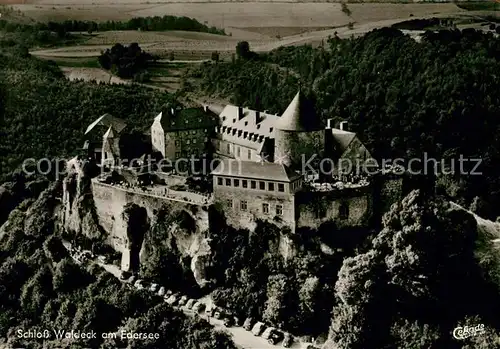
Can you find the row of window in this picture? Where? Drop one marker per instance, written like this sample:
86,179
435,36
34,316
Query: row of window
184,154
238,151
265,207
189,141
253,184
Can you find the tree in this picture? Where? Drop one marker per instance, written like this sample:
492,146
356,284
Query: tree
243,50
404,271
215,56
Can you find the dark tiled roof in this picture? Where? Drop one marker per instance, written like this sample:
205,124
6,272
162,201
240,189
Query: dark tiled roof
257,170
186,119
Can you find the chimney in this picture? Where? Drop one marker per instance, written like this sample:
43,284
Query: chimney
343,125
240,113
257,117
329,123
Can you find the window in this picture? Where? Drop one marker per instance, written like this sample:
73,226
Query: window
281,187
238,151
177,155
236,182
188,141
243,205
253,184
279,210
270,186
194,141
262,185
265,208
229,148
206,130
344,210
249,154
229,203
193,132
219,181
228,182
244,183
177,143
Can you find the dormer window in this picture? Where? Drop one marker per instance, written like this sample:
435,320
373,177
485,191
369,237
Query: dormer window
245,134
223,118
234,120
258,127
246,123
270,129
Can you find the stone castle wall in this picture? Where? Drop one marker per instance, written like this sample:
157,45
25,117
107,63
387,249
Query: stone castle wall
229,200
110,202
349,207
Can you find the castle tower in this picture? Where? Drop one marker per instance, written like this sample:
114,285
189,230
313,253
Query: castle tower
110,148
299,134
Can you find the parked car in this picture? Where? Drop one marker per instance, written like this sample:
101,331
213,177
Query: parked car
102,259
198,307
268,332
132,278
310,346
183,300
258,328
237,321
218,314
247,325
287,340
190,303
275,337
138,284
125,275
210,311
172,299
153,288
161,291
229,321
168,293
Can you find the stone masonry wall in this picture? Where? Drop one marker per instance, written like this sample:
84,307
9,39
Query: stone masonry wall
255,200
315,208
110,201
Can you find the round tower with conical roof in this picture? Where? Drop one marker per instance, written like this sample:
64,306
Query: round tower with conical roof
299,134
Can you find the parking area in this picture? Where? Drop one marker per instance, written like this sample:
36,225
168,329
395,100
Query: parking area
250,337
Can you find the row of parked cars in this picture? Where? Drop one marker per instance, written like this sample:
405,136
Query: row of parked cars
271,334
171,298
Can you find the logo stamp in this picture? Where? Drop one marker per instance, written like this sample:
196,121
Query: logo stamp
468,331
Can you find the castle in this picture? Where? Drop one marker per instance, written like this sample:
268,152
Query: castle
269,167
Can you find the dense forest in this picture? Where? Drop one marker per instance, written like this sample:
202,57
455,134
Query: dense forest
155,23
41,288
45,116
404,98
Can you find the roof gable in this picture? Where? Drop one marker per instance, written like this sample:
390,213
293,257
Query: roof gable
107,120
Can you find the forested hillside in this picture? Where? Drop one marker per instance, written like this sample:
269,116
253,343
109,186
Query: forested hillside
41,288
45,115
404,98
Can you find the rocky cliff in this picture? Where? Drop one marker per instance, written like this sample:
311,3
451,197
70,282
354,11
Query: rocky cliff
144,229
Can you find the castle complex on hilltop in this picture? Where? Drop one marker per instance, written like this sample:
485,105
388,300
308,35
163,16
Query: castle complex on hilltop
265,162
